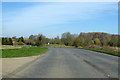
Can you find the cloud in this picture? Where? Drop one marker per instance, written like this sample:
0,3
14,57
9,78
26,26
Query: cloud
41,17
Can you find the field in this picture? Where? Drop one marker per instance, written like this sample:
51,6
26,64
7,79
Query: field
57,45
54,45
23,52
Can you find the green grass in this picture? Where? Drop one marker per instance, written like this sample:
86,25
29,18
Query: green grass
23,52
54,45
117,53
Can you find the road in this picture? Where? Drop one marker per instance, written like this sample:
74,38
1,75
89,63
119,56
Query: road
70,63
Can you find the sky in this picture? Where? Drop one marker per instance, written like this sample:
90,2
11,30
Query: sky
54,18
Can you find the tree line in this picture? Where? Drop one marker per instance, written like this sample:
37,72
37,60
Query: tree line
89,39
68,39
83,39
13,40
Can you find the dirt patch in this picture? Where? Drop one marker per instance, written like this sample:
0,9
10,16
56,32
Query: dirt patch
11,64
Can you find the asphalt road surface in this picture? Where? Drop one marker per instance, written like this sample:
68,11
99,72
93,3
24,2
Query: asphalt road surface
70,63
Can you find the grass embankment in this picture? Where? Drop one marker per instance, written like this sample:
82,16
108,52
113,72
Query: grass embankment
23,52
116,53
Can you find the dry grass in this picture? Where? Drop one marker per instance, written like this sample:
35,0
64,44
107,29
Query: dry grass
105,47
9,47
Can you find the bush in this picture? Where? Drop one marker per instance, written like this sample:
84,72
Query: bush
7,41
20,43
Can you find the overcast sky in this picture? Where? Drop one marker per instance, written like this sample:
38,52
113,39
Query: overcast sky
54,18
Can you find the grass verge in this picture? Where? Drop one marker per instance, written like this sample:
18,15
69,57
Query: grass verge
23,52
115,53
57,46
54,45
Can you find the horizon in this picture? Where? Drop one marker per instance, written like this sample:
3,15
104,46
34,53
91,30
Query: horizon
54,18
56,36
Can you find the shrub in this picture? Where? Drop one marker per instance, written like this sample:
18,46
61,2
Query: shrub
20,43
